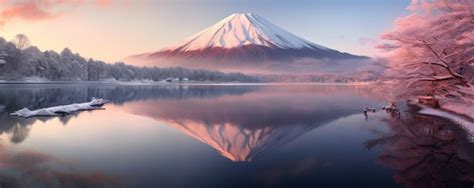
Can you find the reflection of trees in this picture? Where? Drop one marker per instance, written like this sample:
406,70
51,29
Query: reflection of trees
427,153
34,169
15,97
18,133
34,97
16,128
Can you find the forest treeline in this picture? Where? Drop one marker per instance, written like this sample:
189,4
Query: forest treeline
19,60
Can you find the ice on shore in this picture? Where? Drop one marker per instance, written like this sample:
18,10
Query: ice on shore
61,110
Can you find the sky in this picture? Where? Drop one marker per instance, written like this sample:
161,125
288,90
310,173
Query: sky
111,30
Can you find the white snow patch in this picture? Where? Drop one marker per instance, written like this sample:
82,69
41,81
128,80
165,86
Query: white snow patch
60,110
464,122
2,62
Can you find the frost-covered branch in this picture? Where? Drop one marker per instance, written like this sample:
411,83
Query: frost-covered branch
431,50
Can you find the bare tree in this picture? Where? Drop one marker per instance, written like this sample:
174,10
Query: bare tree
21,41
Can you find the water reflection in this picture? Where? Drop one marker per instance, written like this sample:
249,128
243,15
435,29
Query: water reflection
242,128
426,152
18,133
293,135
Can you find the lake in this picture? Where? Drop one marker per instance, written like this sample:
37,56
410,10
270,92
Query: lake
226,136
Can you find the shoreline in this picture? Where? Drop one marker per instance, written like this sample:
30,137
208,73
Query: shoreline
182,83
464,121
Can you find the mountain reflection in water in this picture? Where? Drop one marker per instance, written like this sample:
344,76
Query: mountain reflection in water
244,127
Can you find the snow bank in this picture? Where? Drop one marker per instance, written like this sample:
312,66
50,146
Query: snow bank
463,121
61,110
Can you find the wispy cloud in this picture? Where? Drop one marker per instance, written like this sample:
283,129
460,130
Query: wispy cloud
39,10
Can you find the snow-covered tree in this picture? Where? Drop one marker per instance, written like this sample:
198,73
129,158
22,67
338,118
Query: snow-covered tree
21,41
17,64
431,50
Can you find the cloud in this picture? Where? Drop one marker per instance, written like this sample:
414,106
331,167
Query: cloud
33,10
40,10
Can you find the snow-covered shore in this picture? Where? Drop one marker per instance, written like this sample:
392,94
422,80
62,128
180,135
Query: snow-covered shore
61,110
466,122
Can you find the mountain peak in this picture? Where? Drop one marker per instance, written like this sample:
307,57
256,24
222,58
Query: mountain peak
242,14
241,29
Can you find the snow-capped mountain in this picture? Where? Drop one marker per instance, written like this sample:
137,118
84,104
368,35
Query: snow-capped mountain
236,40
239,30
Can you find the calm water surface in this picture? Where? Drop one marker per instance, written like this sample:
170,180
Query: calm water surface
226,136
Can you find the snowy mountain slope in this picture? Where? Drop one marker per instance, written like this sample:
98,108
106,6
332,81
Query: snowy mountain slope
239,30
240,39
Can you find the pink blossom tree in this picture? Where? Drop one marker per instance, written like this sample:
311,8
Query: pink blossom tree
431,50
